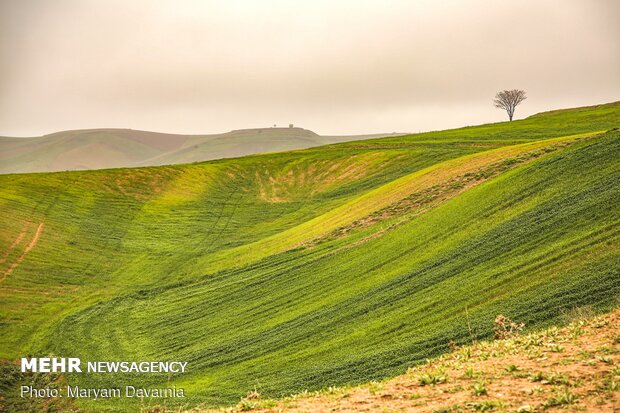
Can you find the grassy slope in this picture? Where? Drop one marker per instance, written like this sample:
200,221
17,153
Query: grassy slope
575,369
267,271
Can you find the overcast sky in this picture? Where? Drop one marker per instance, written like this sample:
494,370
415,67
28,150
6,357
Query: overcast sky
333,66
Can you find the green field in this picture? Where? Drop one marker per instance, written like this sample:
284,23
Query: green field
304,269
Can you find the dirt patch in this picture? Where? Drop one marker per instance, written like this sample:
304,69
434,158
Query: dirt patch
30,246
16,242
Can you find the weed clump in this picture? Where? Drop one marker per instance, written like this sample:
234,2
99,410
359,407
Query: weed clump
250,401
506,328
480,389
563,399
432,378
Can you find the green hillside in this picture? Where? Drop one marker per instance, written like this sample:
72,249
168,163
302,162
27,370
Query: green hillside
115,148
326,266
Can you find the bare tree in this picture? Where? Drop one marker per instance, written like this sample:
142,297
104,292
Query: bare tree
508,100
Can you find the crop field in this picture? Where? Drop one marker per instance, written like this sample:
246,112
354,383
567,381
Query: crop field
300,270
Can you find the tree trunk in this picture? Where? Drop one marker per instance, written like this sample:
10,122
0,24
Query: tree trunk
510,117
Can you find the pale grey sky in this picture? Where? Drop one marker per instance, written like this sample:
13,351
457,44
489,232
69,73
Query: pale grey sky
333,66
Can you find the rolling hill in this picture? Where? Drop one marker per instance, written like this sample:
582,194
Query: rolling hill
301,270
115,148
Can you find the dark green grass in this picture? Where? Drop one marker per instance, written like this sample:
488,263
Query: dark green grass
122,271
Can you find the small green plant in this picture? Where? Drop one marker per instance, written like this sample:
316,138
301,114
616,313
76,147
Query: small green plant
563,399
479,389
610,385
557,379
600,323
432,378
465,353
534,391
555,348
576,329
533,341
533,353
606,350
246,405
606,359
585,354
449,409
511,368
538,376
470,373
484,406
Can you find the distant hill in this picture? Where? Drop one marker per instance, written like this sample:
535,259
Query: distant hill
115,148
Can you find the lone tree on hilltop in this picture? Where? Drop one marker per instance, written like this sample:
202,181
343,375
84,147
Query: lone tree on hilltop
508,100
